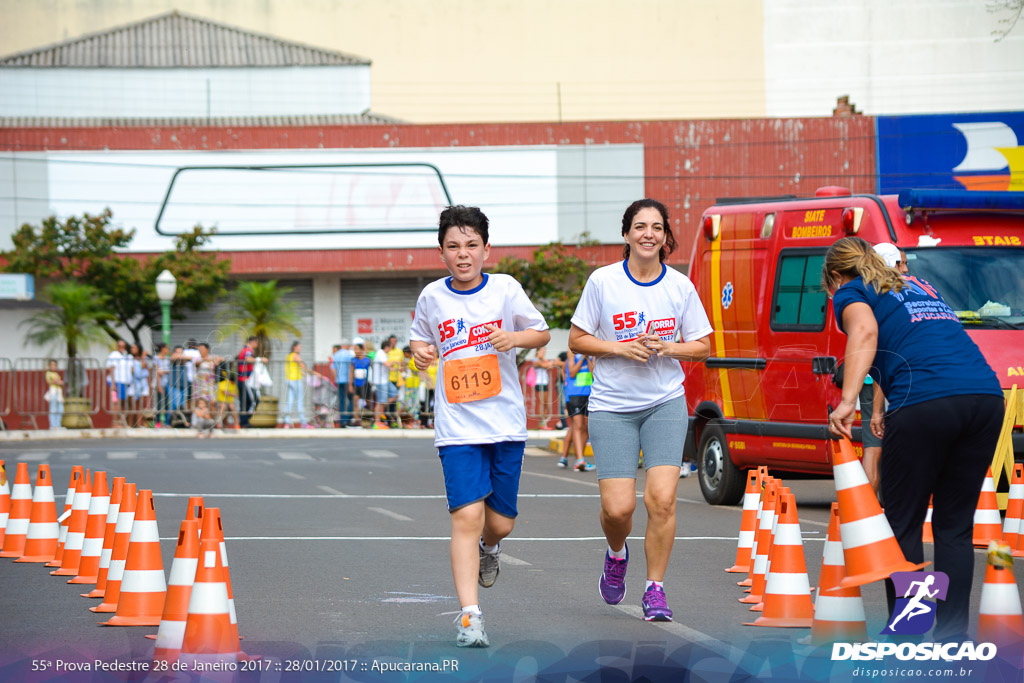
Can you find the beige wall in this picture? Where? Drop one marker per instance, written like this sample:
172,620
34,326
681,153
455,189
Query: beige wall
487,60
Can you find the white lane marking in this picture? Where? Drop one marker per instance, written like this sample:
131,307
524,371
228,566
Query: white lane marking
75,457
291,455
559,539
392,515
122,455
691,634
208,455
505,558
328,489
293,475
33,457
556,477
379,453
534,450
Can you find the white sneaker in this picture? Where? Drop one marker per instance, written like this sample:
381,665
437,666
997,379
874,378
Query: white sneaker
685,470
471,630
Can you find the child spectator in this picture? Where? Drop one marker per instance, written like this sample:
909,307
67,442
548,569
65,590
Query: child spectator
227,395
54,394
202,420
476,322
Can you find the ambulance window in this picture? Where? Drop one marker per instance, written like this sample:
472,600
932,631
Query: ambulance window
800,302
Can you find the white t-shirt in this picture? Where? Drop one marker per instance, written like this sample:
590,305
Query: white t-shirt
453,321
195,358
616,307
122,364
379,371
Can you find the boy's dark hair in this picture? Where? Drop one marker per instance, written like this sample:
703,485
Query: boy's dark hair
159,347
458,215
252,339
627,222
563,356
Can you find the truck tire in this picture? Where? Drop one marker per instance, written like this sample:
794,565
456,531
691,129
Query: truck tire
721,482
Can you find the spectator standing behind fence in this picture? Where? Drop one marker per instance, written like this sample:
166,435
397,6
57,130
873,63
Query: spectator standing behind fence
246,396
294,376
227,397
54,394
384,391
341,360
202,419
119,376
205,385
178,386
542,387
162,371
396,375
138,390
193,356
359,380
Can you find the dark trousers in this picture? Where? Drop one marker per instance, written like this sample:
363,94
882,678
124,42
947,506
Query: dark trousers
940,448
344,404
246,403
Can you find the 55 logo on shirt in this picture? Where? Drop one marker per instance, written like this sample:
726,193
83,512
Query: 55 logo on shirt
628,320
450,328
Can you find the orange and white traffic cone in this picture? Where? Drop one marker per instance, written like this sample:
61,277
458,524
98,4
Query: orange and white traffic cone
143,587
19,515
999,616
209,636
762,493
76,472
1014,507
779,491
41,539
764,545
870,549
171,634
787,594
119,551
77,522
5,501
95,528
108,540
838,616
218,527
748,523
195,510
988,526
926,530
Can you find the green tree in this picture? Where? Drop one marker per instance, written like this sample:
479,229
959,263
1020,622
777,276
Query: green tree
553,279
259,308
76,321
86,248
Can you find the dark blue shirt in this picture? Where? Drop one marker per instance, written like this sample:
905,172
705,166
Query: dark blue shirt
923,351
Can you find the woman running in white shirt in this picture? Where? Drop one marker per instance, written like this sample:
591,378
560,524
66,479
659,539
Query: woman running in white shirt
629,317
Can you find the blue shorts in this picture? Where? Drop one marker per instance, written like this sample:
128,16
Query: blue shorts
122,391
385,392
488,472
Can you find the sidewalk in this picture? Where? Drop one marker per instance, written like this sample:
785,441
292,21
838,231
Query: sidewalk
21,436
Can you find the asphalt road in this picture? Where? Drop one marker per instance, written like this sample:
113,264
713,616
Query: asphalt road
339,562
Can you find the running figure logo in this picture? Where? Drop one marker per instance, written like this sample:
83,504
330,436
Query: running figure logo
914,613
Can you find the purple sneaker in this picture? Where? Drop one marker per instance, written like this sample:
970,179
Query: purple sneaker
613,579
655,607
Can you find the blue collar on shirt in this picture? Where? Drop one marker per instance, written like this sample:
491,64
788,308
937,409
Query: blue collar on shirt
448,282
625,267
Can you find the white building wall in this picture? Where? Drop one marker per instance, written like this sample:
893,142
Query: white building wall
163,93
912,56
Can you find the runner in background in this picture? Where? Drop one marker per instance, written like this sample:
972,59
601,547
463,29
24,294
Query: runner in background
475,322
627,318
578,378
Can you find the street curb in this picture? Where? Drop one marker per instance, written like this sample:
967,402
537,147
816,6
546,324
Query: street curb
22,436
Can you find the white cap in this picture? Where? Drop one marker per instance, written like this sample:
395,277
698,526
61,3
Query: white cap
359,340
890,253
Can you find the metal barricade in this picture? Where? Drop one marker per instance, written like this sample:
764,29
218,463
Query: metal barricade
72,401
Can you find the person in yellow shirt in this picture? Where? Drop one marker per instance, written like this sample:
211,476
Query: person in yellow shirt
410,400
294,371
227,397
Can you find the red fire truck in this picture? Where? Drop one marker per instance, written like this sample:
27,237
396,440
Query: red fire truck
764,394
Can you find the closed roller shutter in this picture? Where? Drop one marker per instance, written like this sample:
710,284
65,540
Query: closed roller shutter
373,309
225,341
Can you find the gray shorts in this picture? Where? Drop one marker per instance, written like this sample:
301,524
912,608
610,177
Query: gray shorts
867,396
618,438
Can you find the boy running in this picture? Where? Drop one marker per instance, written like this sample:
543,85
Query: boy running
475,322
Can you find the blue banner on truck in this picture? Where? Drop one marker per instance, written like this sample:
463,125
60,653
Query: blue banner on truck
983,151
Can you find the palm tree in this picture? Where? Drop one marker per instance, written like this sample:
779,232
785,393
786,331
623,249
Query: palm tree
75,322
260,309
